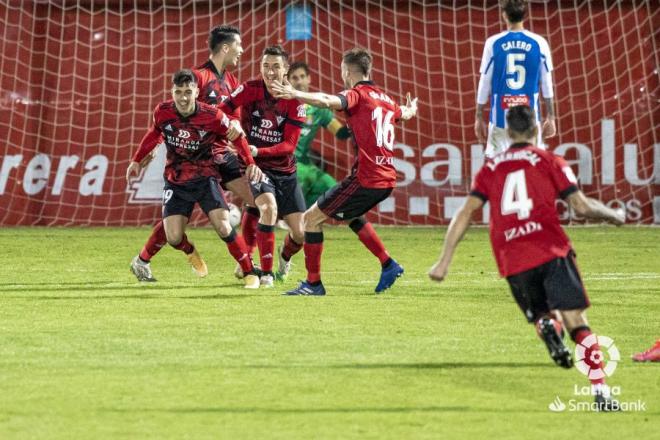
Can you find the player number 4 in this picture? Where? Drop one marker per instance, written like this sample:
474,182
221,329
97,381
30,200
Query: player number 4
384,128
514,197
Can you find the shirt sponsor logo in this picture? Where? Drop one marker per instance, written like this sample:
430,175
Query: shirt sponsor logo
384,160
521,231
266,123
509,101
183,134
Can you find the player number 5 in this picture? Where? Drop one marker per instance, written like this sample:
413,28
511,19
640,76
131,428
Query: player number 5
515,69
384,128
514,197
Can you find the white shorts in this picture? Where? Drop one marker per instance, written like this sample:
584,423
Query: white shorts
498,141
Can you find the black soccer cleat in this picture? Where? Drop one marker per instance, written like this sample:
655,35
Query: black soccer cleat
556,347
606,404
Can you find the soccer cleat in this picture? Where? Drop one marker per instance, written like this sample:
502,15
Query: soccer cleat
141,270
251,281
238,272
388,276
198,264
606,404
283,266
307,289
267,281
556,347
650,355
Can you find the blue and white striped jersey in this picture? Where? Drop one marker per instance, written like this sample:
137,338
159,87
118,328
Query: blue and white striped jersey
512,66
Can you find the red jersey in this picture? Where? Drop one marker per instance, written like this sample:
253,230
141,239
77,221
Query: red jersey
371,114
272,125
522,185
215,87
189,141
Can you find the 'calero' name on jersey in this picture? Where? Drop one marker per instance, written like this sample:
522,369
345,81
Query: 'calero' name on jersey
522,185
371,117
189,141
272,125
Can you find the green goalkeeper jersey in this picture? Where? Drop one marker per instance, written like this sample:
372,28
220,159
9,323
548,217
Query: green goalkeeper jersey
316,117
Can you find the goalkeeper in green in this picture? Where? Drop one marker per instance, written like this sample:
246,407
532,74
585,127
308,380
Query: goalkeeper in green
313,180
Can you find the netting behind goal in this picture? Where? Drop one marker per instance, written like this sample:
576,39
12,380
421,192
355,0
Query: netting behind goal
79,81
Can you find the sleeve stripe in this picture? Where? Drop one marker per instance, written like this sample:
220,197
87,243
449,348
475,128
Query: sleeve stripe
490,63
479,195
344,102
568,191
294,122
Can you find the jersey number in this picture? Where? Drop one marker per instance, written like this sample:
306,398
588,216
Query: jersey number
515,67
514,197
384,128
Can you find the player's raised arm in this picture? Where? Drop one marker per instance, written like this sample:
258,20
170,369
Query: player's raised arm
459,224
284,90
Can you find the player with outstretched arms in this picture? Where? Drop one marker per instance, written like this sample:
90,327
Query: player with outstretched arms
371,115
531,249
513,64
272,126
215,84
190,130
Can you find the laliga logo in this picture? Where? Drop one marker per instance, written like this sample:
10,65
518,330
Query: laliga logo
596,357
557,405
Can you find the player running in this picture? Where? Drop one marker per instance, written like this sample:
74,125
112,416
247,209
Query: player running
371,115
513,64
215,84
190,130
531,249
272,126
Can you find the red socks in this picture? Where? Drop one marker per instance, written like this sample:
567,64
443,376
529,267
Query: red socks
249,227
238,250
185,245
313,249
367,235
266,244
290,248
155,242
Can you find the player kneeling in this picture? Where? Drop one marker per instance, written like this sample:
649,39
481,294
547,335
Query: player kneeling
531,248
190,129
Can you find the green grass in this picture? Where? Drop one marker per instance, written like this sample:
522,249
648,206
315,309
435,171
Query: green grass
87,352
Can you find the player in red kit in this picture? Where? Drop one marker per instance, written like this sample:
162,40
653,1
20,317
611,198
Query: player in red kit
530,247
215,84
272,126
370,114
190,130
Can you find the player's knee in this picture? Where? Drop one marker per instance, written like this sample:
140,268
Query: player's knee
268,213
224,228
357,224
174,238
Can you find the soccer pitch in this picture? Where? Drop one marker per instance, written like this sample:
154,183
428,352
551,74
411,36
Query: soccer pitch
88,352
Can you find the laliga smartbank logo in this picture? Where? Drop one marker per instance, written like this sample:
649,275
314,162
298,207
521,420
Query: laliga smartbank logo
597,357
606,362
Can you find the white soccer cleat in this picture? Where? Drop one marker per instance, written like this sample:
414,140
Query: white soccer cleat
251,281
141,270
238,272
283,266
267,281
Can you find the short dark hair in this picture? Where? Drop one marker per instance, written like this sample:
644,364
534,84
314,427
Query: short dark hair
223,34
515,10
521,119
277,51
183,77
360,58
298,65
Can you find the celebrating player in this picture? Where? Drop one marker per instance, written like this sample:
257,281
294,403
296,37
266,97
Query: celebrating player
370,115
314,181
530,247
513,62
272,126
190,130
215,84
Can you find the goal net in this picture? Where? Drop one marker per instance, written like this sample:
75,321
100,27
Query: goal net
80,80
